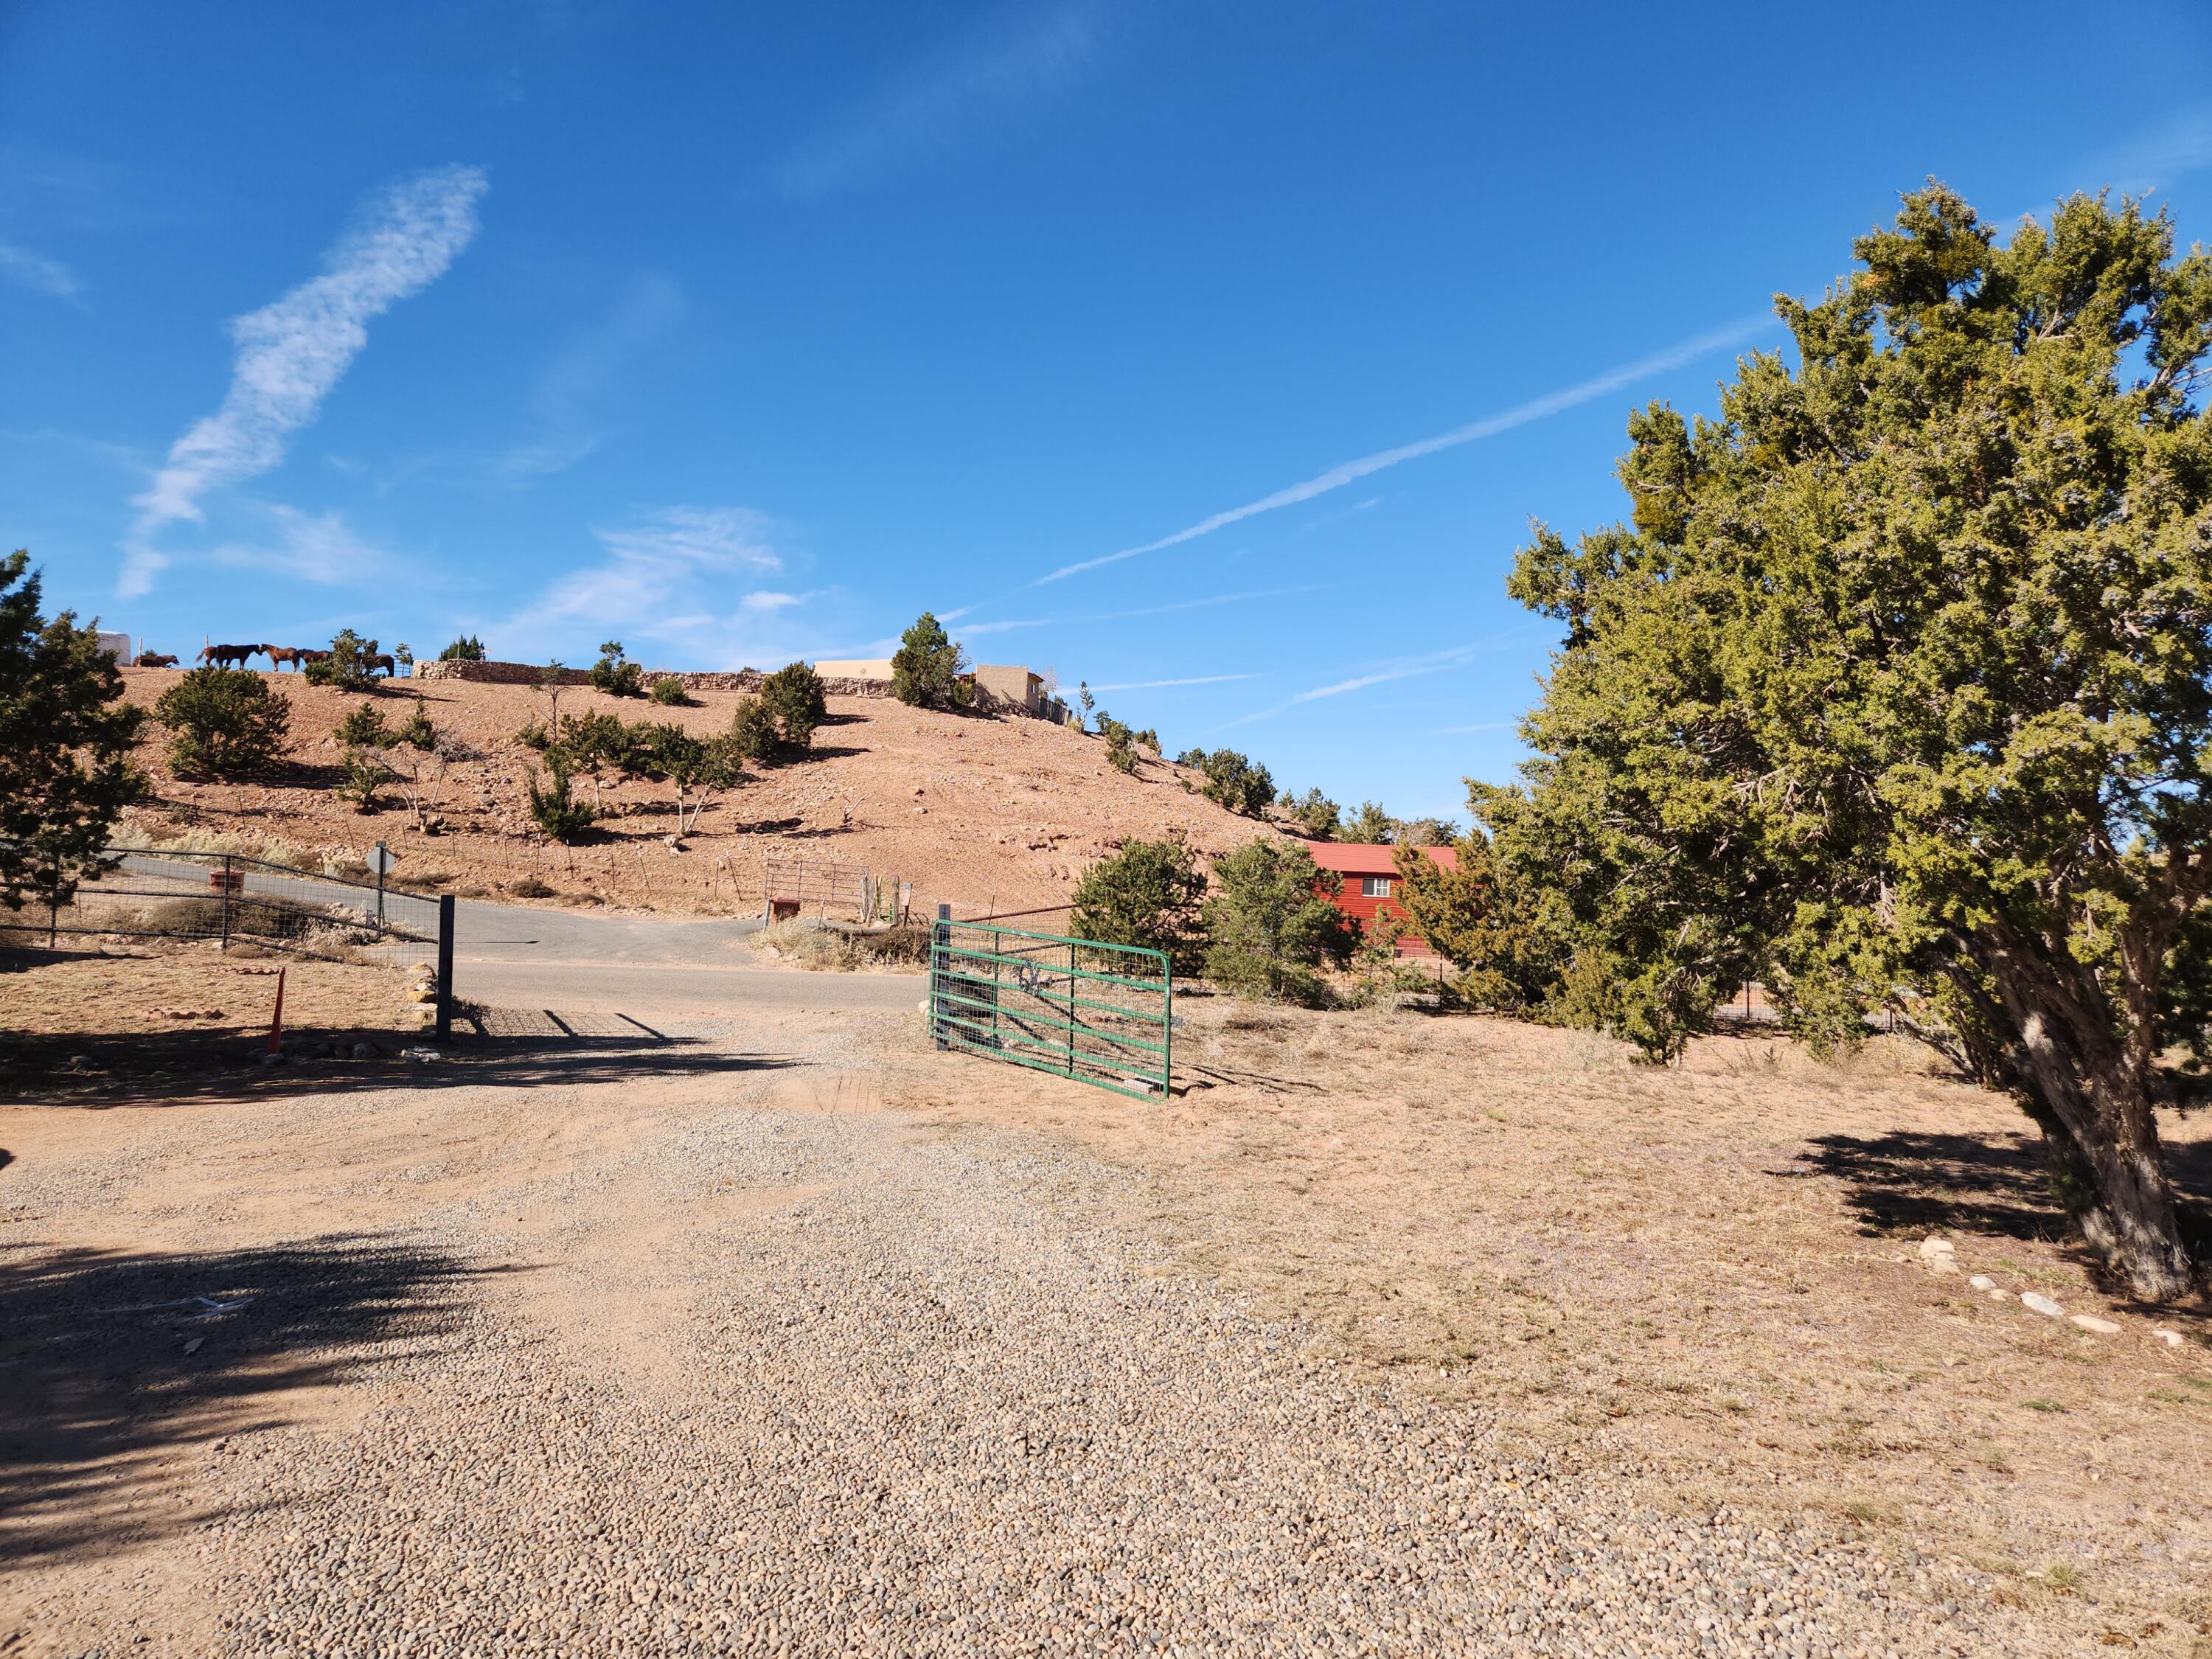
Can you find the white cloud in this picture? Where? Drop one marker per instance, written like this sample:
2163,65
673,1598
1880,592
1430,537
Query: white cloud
37,273
1038,56
291,352
312,547
658,577
1535,409
1404,668
1153,685
768,601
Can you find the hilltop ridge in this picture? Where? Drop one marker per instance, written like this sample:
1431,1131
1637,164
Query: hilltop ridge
984,811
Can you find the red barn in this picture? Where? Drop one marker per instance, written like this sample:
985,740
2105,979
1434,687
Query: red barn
1370,884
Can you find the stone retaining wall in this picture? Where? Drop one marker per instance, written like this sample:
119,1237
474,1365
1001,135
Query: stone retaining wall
739,679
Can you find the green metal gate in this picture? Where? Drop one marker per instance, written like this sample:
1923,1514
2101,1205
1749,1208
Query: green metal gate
1102,1014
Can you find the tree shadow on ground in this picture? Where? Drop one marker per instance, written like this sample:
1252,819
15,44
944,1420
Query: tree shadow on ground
102,1394
1911,1184
526,1048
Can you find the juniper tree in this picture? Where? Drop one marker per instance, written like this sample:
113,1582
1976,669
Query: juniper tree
65,741
1898,687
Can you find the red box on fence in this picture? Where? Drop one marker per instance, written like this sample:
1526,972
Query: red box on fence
227,880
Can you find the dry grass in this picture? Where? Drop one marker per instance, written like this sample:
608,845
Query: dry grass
1711,1271
822,947
78,1023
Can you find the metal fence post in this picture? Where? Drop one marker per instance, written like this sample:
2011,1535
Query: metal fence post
940,947
54,902
1070,1011
225,945
382,857
445,966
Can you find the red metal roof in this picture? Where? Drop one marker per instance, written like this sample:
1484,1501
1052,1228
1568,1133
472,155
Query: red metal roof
1366,859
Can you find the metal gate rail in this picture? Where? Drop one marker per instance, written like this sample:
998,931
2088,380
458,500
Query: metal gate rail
1102,1014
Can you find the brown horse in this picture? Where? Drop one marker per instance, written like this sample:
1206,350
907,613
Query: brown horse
385,662
228,656
157,659
278,655
305,655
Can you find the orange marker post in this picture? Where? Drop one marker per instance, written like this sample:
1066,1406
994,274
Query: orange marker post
277,1020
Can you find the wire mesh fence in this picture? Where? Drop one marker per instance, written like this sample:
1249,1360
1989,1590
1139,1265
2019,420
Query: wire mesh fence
229,897
1103,1014
818,887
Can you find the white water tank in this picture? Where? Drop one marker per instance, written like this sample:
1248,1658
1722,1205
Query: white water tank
117,646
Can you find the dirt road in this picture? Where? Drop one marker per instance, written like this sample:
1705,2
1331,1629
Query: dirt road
722,1354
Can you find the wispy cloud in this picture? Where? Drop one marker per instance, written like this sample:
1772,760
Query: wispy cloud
1021,60
1403,668
312,547
1536,408
37,273
1123,616
290,354
1154,685
661,577
768,601
650,304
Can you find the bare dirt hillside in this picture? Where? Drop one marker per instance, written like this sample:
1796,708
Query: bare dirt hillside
982,811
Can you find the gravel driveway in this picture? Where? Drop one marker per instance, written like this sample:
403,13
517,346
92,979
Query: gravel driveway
754,1365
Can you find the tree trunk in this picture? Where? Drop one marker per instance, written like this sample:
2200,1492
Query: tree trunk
2093,1102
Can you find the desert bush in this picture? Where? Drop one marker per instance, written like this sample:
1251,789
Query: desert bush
1370,826
795,696
363,727
364,774
614,674
417,730
347,667
557,813
530,887
927,668
223,722
754,731
1147,895
531,734
1317,816
814,945
1237,783
1121,742
467,648
668,691
1271,923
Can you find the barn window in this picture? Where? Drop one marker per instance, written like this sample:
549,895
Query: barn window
1375,886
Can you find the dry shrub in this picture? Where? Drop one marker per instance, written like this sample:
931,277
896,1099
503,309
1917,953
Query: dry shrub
814,945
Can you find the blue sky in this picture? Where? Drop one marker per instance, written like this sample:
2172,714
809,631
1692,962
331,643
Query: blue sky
1219,355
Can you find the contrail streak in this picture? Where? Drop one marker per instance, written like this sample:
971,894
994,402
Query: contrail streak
1337,477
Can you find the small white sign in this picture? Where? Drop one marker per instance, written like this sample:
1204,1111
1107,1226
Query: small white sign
381,859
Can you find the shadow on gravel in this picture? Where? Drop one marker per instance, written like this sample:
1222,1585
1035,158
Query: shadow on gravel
102,1396
84,1071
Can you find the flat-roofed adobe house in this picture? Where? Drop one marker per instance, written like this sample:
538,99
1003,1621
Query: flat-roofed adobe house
1370,884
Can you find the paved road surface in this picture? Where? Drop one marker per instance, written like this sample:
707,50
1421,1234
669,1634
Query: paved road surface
514,956
508,957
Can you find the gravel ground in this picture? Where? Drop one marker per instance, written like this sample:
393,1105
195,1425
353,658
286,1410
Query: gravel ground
783,1374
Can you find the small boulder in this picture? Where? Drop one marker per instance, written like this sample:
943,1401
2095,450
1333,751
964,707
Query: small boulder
1982,1282
2036,1302
1932,1248
2172,1338
2091,1322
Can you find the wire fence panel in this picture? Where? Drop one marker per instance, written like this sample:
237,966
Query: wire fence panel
227,897
818,887
1103,1014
